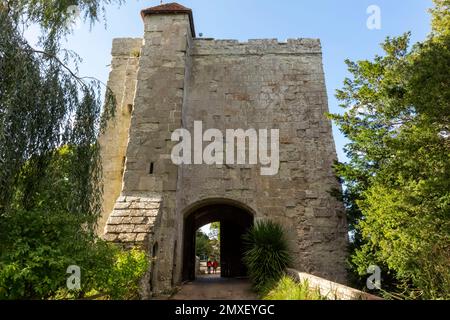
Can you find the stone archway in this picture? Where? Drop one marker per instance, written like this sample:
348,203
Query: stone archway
234,221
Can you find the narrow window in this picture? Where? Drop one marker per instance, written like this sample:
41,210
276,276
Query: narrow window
152,168
174,262
124,159
130,108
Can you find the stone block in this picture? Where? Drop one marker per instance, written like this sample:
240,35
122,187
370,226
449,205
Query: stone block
127,237
141,228
113,220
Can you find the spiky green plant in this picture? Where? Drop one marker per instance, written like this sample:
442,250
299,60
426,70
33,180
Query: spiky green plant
267,255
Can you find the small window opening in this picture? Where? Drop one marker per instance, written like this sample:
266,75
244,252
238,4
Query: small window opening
130,108
152,168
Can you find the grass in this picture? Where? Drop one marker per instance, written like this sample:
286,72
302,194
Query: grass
287,289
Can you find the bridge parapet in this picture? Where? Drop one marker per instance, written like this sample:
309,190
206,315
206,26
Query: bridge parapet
330,290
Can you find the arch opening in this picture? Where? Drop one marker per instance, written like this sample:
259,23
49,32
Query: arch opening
234,223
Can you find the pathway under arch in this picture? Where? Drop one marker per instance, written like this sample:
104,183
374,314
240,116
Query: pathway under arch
234,222
214,287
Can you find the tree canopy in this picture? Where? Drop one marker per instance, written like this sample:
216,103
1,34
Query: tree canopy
397,180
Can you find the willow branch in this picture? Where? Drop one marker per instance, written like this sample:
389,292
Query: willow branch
78,78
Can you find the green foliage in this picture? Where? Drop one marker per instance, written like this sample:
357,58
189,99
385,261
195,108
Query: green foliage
38,248
43,107
267,255
441,18
40,245
120,280
215,231
203,245
40,241
50,169
53,16
397,181
288,289
206,246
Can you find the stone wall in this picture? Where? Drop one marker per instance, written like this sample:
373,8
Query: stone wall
149,171
122,81
264,84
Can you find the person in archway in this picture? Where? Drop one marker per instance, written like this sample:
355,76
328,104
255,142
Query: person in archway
215,265
209,265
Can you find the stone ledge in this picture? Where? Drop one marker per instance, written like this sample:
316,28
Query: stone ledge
126,46
329,289
132,219
256,46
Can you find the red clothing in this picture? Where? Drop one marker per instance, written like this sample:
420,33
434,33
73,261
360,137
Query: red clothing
215,264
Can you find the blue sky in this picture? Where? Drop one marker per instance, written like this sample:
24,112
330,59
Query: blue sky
341,26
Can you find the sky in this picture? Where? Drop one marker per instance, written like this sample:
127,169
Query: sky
340,25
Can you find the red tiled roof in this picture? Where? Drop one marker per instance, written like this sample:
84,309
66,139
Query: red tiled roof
170,8
167,7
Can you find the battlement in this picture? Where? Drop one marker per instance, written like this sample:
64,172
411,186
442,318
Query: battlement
209,46
126,46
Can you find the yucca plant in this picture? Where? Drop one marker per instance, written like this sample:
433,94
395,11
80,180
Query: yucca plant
266,256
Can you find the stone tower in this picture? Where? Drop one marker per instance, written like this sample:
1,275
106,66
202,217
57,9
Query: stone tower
170,79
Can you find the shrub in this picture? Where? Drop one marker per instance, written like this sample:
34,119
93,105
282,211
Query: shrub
288,289
38,247
267,255
122,279
49,224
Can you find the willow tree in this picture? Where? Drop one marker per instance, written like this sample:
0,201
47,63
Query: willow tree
44,105
397,118
50,181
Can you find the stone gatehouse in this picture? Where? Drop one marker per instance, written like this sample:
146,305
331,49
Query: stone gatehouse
171,78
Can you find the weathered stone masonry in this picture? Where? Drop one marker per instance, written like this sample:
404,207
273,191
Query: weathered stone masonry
177,79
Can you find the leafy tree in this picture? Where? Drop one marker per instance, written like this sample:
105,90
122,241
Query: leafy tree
214,238
215,231
44,105
397,181
209,245
53,16
441,18
50,119
203,245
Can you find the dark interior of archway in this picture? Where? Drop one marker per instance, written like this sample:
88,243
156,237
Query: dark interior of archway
234,222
